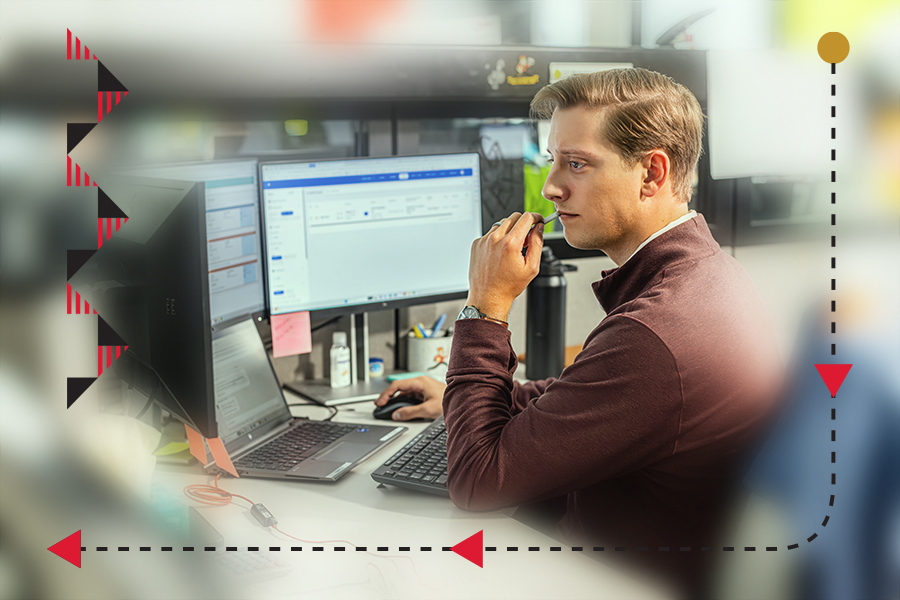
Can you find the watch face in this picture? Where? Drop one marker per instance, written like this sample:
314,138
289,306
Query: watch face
469,312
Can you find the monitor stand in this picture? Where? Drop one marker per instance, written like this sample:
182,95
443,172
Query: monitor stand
363,387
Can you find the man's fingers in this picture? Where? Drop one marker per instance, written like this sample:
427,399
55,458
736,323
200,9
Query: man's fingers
383,397
407,413
507,224
401,385
426,410
535,245
519,232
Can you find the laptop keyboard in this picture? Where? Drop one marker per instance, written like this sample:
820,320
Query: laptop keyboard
297,444
420,465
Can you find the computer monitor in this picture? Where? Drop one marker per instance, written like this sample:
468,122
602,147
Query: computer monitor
149,283
354,235
234,250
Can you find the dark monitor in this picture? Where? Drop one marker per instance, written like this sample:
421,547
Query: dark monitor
150,283
353,235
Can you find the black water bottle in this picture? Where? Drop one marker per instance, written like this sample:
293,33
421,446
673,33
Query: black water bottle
545,319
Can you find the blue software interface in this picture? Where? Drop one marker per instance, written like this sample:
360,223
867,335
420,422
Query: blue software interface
234,249
362,231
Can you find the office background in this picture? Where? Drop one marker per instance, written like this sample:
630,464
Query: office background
217,80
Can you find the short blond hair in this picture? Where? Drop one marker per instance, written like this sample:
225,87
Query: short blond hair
644,110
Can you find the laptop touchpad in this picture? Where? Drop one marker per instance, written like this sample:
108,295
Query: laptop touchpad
344,452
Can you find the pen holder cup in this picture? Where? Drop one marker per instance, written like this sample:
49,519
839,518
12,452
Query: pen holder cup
429,355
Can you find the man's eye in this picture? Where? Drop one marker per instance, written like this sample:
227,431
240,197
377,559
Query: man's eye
549,159
575,164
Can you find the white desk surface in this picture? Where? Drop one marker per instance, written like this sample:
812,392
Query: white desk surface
357,510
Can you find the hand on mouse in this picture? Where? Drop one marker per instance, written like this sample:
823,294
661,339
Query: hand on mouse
430,389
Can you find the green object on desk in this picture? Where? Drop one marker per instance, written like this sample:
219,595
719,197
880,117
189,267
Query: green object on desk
399,376
172,448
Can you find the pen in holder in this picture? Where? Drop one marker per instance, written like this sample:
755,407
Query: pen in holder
429,355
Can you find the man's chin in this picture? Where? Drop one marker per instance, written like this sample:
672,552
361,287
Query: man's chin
580,244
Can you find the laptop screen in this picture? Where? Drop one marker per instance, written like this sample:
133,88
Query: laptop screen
249,400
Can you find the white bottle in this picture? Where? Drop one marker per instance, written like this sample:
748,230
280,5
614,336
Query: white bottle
340,360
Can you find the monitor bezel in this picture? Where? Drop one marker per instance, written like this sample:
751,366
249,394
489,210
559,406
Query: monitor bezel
380,305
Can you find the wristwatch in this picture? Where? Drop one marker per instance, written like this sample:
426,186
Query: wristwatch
473,312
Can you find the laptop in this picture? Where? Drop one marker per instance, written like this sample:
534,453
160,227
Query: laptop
256,426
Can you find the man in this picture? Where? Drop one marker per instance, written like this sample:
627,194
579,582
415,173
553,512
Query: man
643,432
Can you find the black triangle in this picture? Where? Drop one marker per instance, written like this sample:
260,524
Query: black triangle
106,208
75,259
106,336
75,132
75,387
106,81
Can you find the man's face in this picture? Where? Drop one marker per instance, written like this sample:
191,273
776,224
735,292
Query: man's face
598,196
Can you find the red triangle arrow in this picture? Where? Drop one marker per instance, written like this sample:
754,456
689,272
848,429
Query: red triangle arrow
833,376
472,548
69,549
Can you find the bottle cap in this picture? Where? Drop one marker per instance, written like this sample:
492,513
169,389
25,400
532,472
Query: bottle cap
339,338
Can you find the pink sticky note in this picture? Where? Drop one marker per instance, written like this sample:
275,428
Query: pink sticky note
223,461
195,441
291,334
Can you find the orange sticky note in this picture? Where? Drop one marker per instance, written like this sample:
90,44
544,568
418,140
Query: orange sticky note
291,334
219,453
195,441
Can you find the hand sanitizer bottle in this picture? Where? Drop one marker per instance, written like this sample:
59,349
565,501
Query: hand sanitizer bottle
340,360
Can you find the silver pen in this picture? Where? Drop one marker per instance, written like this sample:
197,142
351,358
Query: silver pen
547,219
550,218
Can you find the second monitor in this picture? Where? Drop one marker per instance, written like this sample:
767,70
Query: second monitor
349,236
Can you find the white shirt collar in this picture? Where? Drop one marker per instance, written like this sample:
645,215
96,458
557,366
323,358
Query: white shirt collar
682,219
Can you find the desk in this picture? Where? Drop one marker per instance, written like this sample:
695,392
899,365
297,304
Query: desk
357,510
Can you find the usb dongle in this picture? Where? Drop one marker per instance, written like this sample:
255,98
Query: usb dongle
263,515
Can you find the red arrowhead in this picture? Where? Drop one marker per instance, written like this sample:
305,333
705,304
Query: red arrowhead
69,549
472,548
833,376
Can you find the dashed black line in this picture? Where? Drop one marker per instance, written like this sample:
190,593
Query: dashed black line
486,548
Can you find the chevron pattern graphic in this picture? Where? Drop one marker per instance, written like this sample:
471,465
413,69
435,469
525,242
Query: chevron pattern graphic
110,218
112,98
75,304
79,55
77,179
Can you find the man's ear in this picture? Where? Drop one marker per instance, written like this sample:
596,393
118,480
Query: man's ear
657,169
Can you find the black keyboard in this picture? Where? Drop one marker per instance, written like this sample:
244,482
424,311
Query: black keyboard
421,464
294,445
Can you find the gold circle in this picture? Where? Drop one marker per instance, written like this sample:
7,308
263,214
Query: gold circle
833,47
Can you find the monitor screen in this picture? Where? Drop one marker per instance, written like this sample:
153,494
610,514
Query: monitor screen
232,228
372,232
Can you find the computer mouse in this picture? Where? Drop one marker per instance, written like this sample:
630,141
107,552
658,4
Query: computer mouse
398,401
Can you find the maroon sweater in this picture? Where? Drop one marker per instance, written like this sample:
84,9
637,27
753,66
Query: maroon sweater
643,430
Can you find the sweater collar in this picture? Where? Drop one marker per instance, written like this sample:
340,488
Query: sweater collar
690,240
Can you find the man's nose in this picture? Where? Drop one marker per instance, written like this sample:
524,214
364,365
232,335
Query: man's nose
553,189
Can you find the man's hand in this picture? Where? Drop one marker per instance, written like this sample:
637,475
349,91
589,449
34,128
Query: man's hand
430,389
498,272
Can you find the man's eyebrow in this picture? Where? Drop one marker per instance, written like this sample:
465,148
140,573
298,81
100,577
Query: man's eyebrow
575,152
